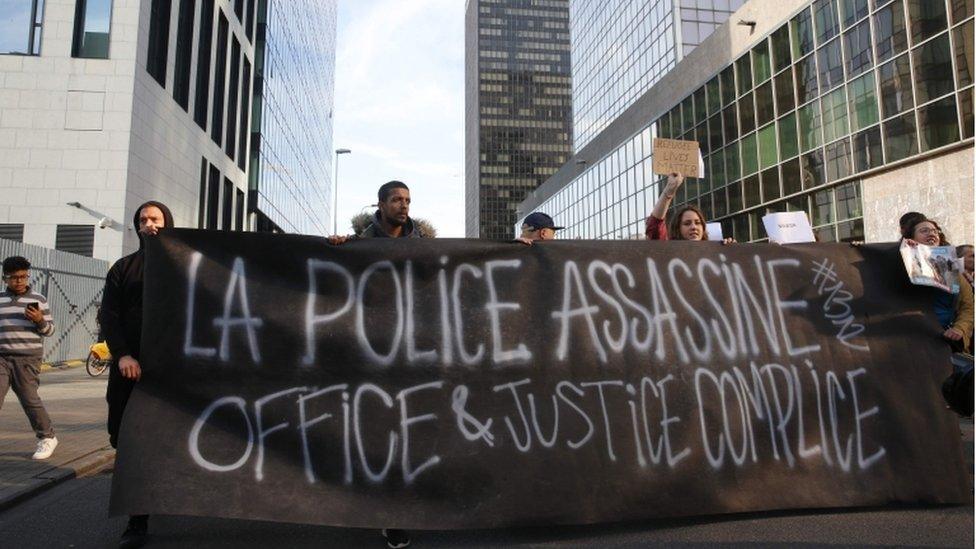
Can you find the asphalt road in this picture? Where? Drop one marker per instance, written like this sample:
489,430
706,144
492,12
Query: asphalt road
74,514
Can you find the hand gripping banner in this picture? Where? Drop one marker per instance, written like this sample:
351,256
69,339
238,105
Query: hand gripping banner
439,384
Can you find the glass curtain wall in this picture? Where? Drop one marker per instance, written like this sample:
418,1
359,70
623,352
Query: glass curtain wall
843,87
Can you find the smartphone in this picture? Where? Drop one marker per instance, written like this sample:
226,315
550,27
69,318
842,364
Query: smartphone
33,306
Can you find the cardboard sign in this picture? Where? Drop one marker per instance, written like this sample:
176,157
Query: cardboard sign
788,227
437,384
674,156
714,231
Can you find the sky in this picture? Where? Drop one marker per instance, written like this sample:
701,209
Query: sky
399,107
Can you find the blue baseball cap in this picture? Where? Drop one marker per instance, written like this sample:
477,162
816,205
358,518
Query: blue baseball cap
539,220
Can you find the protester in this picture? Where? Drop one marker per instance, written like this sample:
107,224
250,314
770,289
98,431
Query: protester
907,220
965,253
26,318
688,223
392,217
121,322
954,311
391,220
538,226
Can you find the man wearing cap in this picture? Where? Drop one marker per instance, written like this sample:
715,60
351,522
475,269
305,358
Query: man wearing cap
538,226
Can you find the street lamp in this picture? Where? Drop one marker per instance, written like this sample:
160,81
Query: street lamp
335,183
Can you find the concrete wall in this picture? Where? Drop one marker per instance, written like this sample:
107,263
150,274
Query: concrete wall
64,130
941,187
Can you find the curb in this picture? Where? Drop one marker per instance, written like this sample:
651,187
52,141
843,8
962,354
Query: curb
65,365
86,465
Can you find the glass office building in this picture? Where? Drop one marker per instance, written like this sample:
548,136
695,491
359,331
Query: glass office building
842,90
517,98
290,181
621,48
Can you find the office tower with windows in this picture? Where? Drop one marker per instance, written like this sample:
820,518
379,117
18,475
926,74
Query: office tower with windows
852,111
291,155
623,47
107,103
517,106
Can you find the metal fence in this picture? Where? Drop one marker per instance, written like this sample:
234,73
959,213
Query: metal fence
73,286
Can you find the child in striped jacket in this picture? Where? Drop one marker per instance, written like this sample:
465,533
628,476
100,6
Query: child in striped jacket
24,319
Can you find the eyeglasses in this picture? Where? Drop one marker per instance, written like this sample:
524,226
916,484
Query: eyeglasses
928,230
15,278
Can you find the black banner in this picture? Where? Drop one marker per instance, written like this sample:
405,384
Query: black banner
440,384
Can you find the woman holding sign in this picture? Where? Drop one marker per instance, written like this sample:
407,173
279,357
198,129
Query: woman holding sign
687,224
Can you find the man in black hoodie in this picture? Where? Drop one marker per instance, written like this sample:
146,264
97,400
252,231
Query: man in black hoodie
121,322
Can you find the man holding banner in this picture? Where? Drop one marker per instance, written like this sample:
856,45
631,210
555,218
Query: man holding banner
120,317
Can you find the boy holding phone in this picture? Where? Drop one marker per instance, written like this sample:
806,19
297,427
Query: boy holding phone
25,318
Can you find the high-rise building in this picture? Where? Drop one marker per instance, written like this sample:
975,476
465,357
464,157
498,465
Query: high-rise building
107,103
623,47
853,112
291,162
518,114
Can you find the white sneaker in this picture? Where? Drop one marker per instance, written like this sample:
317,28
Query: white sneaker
45,447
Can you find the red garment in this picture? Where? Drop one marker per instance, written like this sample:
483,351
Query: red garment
655,229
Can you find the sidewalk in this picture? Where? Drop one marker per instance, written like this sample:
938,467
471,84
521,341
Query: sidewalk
76,403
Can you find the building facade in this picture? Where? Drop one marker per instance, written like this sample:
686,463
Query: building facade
851,111
623,47
290,179
107,103
518,114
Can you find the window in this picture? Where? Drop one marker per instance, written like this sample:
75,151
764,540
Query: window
899,137
857,49
863,102
230,143
203,64
213,197
184,46
245,115
93,20
802,34
249,19
780,41
895,80
747,114
889,30
239,207
835,115
806,79
838,159
812,169
228,203
783,83
809,126
202,206
867,149
760,62
750,157
927,18
20,32
220,75
787,136
933,69
937,124
764,104
831,68
743,70
76,239
962,38
825,18
767,146
158,40
12,231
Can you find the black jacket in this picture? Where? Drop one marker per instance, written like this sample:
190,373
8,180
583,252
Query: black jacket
375,229
120,315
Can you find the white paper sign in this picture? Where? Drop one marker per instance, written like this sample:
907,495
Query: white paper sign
788,227
714,231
